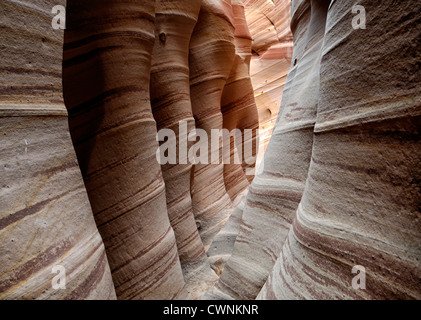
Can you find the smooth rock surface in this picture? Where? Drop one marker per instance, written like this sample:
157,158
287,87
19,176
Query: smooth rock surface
268,22
338,187
107,63
212,53
170,97
274,195
361,204
45,217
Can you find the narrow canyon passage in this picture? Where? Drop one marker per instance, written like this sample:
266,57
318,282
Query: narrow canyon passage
210,149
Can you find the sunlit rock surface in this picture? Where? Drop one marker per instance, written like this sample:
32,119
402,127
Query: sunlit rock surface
269,25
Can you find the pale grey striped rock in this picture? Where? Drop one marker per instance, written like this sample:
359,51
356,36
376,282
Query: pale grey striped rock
45,216
361,204
275,193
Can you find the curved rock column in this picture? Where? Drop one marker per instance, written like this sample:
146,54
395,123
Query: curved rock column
361,204
212,53
170,97
239,113
107,61
274,195
46,223
239,108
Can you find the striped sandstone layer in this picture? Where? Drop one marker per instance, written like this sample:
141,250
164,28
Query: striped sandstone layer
107,61
339,184
274,195
212,53
45,217
239,107
268,22
222,245
239,113
361,204
170,97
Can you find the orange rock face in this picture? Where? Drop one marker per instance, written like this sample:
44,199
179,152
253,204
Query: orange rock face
238,106
268,22
130,69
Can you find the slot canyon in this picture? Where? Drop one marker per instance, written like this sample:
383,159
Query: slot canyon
317,183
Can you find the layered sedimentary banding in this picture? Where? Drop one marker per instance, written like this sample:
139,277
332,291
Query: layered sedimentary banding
107,61
242,37
276,191
339,186
239,109
240,114
222,245
361,202
212,53
46,223
170,97
268,22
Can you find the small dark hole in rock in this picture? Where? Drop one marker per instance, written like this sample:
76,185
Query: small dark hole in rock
198,225
162,37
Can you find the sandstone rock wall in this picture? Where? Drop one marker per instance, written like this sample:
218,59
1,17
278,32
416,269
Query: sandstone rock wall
114,134
46,221
212,52
361,203
274,195
170,95
269,22
128,70
339,185
239,107
353,123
